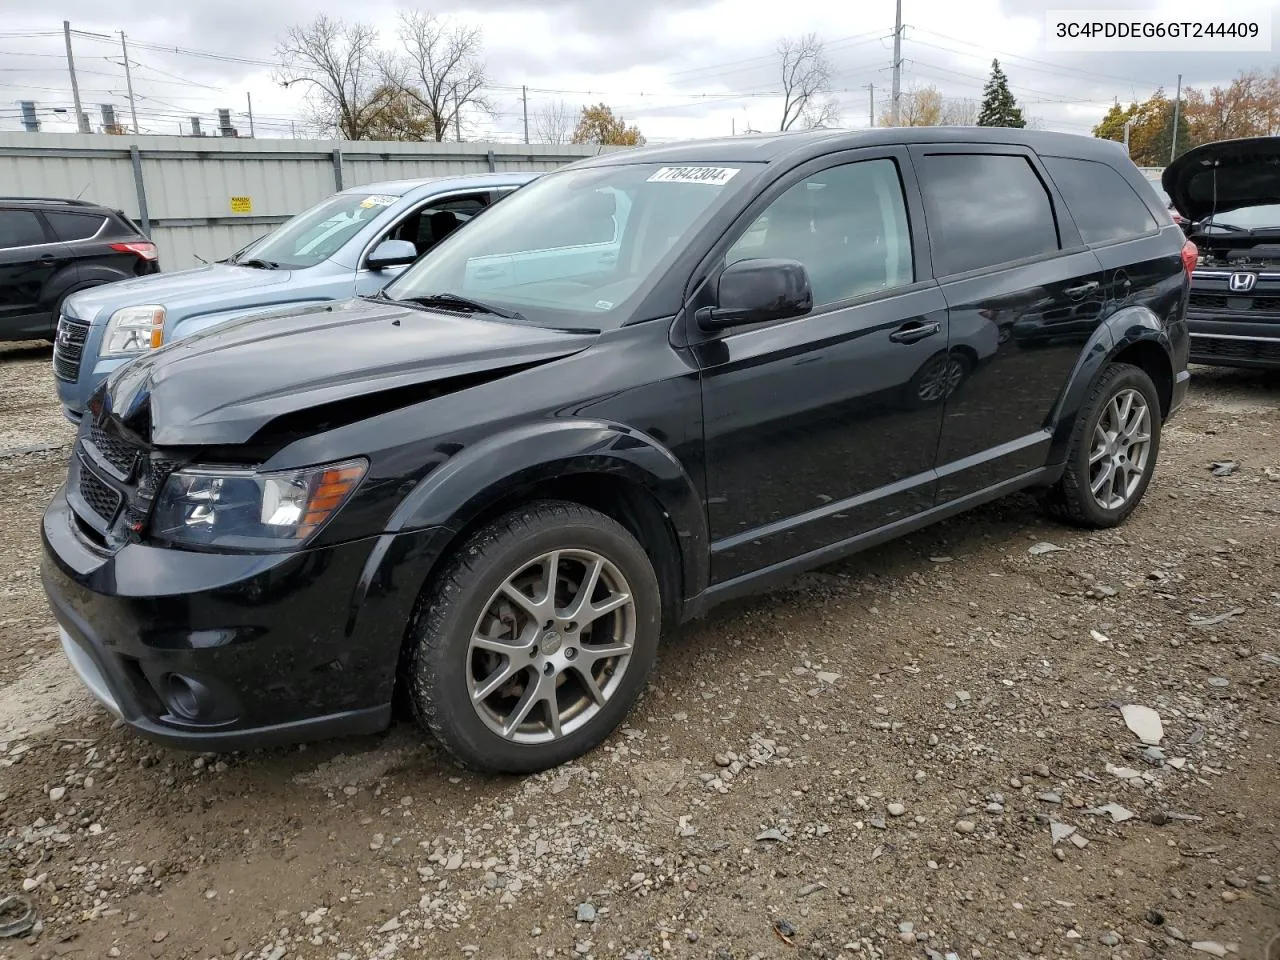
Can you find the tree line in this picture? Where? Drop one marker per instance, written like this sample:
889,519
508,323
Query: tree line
1249,106
430,82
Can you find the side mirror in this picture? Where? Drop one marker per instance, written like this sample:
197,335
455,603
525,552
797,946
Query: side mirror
757,291
392,253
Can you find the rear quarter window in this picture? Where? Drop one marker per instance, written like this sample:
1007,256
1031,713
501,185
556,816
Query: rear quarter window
74,226
1104,206
984,210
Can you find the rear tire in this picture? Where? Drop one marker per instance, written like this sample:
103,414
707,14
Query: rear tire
513,676
1112,452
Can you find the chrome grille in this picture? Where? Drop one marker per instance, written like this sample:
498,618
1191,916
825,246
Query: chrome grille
68,349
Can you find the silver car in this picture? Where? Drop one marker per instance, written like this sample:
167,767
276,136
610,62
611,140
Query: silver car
349,245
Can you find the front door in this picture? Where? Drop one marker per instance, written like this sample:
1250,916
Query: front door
1024,295
820,428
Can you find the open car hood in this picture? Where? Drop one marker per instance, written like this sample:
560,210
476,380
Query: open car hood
221,387
1247,174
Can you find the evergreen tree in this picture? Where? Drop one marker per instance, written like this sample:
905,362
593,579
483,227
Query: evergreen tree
999,109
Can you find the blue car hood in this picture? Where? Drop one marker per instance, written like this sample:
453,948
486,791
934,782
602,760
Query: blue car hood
218,286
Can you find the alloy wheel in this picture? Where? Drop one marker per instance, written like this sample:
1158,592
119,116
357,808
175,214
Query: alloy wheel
1121,449
551,646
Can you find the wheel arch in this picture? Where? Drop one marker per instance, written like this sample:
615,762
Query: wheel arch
1133,335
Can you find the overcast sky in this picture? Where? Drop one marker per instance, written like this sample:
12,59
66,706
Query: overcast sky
676,68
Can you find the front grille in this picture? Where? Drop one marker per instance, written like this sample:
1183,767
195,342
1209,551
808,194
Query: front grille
1220,348
116,451
99,497
1223,303
68,349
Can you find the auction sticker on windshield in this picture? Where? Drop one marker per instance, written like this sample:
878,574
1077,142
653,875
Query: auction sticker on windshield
378,200
713,176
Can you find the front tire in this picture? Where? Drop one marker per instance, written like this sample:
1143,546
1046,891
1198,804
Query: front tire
1112,453
536,638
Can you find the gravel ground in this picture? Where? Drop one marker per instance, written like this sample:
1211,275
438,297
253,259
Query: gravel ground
915,753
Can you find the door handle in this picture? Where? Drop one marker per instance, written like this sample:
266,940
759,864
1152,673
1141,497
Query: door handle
915,331
486,272
1081,290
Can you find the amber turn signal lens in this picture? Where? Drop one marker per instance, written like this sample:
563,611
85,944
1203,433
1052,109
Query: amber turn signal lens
328,492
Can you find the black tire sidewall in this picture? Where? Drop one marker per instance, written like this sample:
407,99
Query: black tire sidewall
439,663
1117,378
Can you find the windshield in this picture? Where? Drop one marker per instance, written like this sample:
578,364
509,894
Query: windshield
316,234
572,248
1248,218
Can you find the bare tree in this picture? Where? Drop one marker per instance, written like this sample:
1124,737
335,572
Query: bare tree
959,112
441,68
338,63
554,123
806,80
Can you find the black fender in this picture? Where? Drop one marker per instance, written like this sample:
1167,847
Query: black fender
493,470
1123,329
93,274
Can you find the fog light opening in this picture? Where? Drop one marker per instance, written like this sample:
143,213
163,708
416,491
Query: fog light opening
183,696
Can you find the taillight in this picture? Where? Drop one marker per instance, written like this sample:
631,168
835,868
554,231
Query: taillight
144,249
1190,254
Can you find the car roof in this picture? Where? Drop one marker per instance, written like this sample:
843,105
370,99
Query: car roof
55,202
478,181
796,147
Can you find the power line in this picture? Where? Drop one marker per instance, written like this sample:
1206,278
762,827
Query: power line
1018,56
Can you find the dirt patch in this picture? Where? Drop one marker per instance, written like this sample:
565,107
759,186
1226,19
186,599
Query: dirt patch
914,753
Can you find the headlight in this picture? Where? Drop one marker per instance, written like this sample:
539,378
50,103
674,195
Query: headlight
133,330
244,510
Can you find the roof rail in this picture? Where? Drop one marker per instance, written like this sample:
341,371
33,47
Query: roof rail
70,203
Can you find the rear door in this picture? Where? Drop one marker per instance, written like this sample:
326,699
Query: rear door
1023,293
29,257
815,430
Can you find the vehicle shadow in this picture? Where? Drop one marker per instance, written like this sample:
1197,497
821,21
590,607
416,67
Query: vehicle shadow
14,350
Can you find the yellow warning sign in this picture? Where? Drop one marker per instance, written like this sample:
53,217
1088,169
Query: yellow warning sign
242,205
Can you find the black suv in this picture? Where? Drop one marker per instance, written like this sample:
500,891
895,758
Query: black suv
49,249
1229,192
494,485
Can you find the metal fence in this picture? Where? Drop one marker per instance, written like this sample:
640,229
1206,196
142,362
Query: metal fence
205,197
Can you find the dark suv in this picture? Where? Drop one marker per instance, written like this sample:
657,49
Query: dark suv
641,385
49,249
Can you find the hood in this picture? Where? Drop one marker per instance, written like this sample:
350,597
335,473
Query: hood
1247,175
223,386
223,285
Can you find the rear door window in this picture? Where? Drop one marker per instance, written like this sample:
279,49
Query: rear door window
984,210
74,226
1103,205
20,228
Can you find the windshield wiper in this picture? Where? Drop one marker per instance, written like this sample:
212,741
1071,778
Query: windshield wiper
452,301
257,263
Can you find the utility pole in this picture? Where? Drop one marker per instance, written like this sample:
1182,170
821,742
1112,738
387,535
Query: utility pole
1177,104
128,79
249,97
82,122
1127,125
871,104
457,115
524,98
897,64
